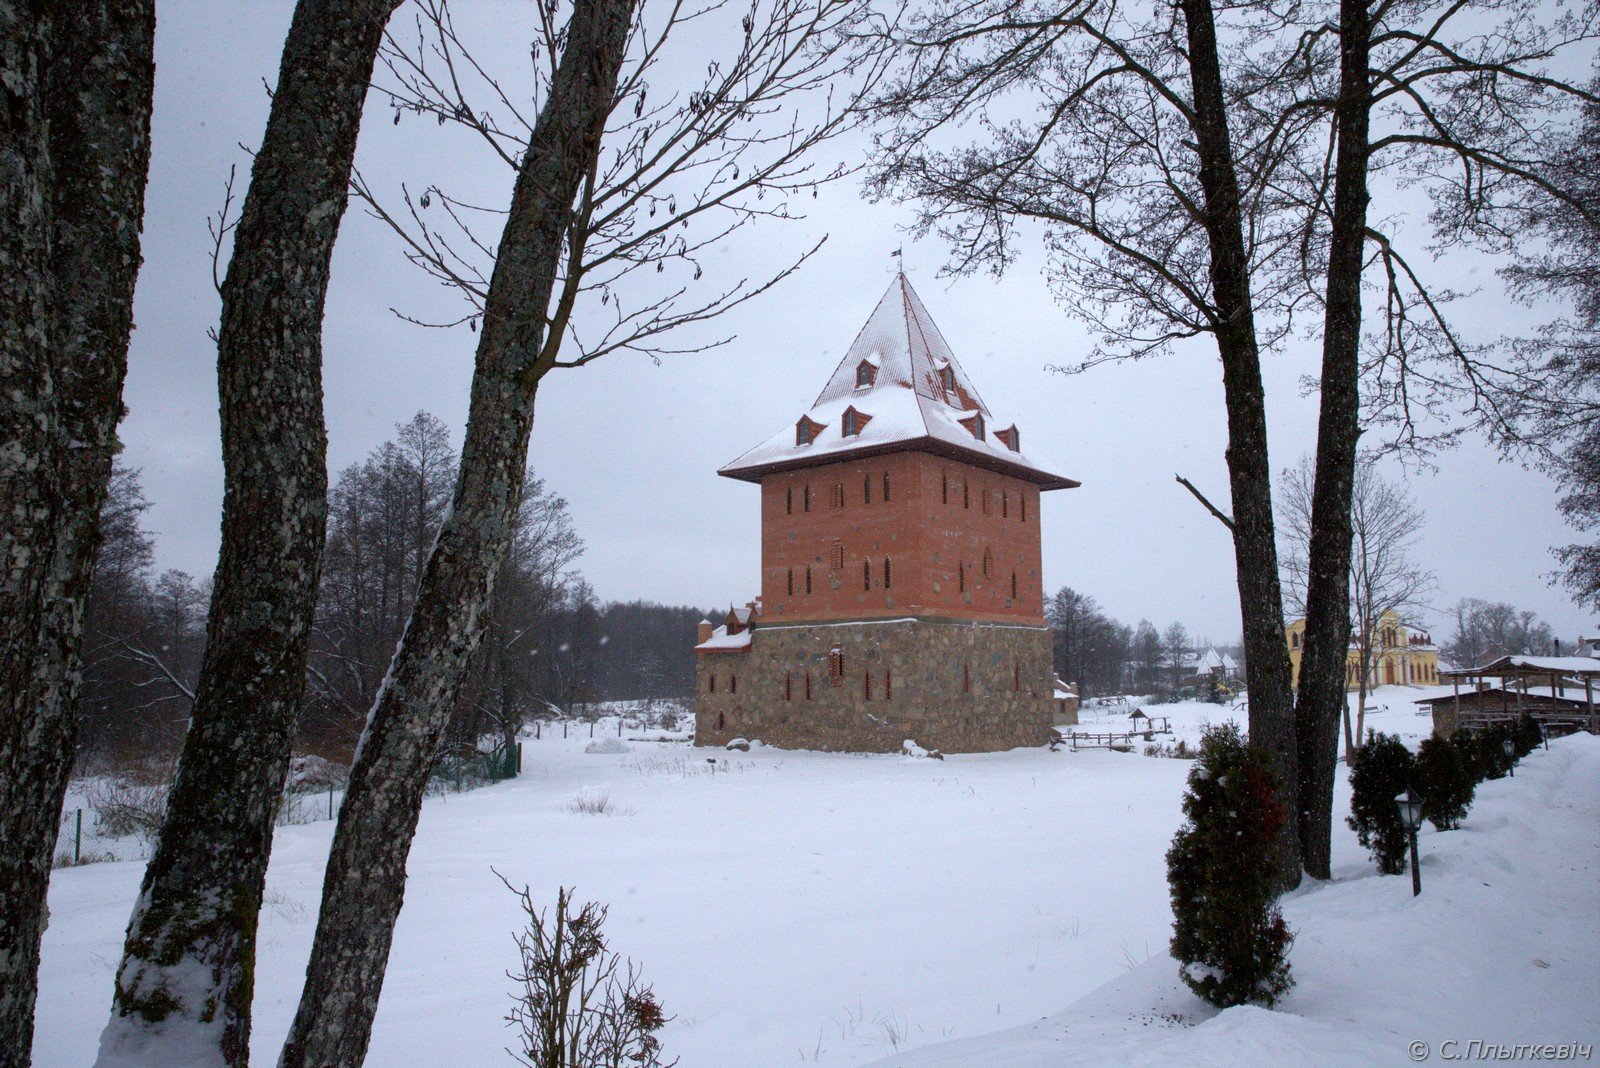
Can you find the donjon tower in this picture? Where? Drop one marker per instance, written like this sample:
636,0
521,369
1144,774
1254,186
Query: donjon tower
901,596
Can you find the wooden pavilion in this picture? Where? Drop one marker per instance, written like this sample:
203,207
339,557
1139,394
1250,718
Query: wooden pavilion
1557,691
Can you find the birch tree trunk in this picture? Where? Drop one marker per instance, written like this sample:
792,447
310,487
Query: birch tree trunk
365,883
1272,724
97,95
1327,635
29,417
184,988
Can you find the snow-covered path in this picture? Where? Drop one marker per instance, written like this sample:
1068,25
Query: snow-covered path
803,907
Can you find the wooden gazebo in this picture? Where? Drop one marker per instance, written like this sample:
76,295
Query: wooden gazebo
1557,691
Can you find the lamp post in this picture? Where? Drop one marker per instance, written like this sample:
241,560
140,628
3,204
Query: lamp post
1509,747
1544,733
1411,819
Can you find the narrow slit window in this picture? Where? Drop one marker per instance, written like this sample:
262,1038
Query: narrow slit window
788,501
944,488
866,685
961,577
966,678
866,575
805,497
866,489
1013,585
886,583
838,494
808,579
1005,504
733,684
1016,676
808,686
888,684
711,683
788,685
791,582
886,487
966,494
1023,503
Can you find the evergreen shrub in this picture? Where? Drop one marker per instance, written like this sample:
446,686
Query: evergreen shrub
1228,935
1445,783
1383,769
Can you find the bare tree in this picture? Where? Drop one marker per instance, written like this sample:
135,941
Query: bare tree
1418,91
613,187
1486,630
1384,576
74,155
186,979
1158,214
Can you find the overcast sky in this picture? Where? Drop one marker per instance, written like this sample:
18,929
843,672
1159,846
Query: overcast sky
634,446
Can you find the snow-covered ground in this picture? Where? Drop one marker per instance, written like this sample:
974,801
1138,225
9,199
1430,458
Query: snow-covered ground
798,908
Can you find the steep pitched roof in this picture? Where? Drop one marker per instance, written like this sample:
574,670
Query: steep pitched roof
918,397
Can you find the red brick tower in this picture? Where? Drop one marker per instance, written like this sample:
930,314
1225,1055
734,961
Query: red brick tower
901,595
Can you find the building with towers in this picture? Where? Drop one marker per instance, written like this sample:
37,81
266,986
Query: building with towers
901,593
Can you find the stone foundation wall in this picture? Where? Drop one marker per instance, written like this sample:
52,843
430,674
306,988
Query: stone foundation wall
955,687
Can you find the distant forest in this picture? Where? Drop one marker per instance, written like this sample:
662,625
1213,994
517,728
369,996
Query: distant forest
552,647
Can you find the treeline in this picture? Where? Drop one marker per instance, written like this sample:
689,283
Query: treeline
552,647
1103,656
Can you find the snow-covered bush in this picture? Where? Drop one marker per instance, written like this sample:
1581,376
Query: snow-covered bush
1382,770
1445,783
1228,935
125,806
580,1005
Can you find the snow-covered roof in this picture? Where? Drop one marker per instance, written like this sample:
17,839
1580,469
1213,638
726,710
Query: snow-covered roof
1211,660
723,642
1545,665
907,405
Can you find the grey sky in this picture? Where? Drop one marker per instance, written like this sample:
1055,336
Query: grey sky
634,447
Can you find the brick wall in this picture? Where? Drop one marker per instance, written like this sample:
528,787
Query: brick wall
942,522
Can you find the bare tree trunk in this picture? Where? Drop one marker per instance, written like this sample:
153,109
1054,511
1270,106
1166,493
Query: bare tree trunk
365,883
29,426
96,93
186,979
1327,635
1250,472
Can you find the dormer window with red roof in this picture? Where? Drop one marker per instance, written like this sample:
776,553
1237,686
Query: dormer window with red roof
947,379
853,421
866,374
974,423
805,431
1012,437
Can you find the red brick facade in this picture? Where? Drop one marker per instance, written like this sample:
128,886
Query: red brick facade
901,534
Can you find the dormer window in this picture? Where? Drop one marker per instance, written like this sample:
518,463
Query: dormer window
974,423
947,379
852,422
866,374
1012,437
805,431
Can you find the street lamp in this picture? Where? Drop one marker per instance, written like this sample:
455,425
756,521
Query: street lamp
1508,747
1411,819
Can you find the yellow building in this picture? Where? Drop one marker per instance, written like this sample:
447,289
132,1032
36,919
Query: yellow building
1400,656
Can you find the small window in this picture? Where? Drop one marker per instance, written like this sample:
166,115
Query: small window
733,684
966,494
791,582
1022,502
852,423
886,487
838,494
961,577
976,425
866,374
985,500
1013,586
888,684
966,678
836,557
1016,676
788,685
866,575
886,572
711,683
866,489
722,722
836,663
805,497
947,379
808,580
988,564
805,432
944,488
1005,504
866,685
788,501
808,686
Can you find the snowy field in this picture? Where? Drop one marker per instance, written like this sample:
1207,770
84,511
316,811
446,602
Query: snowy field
1003,909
